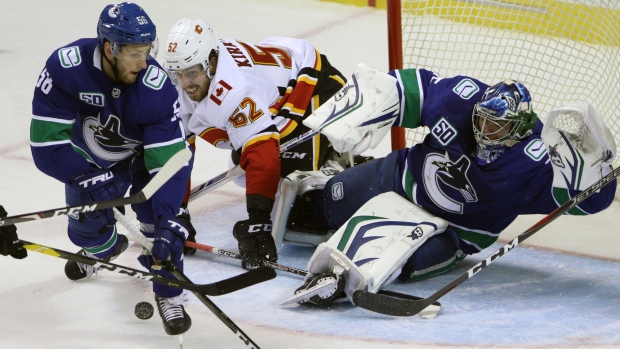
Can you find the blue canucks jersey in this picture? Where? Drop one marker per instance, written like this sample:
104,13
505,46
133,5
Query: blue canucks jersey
441,173
82,119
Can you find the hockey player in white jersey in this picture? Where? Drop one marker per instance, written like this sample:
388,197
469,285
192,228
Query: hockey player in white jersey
248,98
418,211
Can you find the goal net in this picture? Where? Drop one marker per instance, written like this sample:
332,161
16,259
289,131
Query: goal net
562,50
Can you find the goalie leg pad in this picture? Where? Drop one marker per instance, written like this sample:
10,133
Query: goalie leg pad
375,243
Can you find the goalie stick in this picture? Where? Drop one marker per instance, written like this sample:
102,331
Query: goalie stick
429,312
170,168
213,289
397,305
136,235
237,171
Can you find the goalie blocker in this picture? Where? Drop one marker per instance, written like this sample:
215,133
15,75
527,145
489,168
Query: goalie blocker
360,114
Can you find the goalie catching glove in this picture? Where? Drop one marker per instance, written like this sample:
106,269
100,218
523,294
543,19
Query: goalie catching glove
254,234
360,114
581,148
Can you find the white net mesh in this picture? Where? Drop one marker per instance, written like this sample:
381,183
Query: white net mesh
564,51
573,125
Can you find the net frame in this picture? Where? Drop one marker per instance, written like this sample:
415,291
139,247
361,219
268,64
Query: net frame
563,50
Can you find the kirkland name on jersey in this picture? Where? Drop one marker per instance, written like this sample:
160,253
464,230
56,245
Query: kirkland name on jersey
76,103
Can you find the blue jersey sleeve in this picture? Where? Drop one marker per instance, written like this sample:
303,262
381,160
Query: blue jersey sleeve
53,115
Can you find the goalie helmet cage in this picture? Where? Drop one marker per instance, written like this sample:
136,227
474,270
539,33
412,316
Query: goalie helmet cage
562,50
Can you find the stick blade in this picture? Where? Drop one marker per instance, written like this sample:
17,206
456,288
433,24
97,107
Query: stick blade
394,304
240,281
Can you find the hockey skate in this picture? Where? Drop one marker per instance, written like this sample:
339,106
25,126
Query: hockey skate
176,320
77,271
319,289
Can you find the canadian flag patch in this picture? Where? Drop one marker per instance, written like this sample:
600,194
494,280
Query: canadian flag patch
220,91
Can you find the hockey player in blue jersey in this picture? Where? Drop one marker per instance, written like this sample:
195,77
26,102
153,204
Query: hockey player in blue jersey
418,211
104,122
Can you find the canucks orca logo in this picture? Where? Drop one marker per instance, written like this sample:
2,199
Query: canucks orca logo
441,172
106,141
555,157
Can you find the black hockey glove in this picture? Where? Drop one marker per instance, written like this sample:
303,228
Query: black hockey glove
8,238
97,185
186,218
254,234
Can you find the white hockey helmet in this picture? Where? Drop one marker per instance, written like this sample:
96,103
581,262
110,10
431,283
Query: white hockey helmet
190,42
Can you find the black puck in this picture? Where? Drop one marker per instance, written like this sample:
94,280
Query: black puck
144,310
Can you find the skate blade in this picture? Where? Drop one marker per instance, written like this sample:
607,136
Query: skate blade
305,295
180,339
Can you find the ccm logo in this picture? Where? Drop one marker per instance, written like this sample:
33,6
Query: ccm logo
292,155
257,228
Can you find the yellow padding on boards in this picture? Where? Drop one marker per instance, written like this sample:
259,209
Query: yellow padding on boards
589,24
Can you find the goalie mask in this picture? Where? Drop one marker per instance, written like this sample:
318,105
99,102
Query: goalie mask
501,119
190,44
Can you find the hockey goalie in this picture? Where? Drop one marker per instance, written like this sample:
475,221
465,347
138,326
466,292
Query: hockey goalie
418,211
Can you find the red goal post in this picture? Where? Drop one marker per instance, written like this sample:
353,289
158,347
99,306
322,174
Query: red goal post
563,50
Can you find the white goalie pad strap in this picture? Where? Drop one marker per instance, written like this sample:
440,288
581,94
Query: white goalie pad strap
581,147
360,114
376,242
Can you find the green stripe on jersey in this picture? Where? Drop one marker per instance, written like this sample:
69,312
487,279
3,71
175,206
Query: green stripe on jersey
156,157
47,131
411,88
409,184
476,239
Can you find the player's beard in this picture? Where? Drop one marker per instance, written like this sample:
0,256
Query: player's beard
200,91
125,75
120,73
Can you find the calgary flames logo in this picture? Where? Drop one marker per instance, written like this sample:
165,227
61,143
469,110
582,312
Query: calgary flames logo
198,29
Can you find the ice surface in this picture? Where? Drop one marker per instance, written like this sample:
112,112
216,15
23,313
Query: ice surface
530,298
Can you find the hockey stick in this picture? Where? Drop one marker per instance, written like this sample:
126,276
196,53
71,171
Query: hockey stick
213,289
174,164
407,307
138,236
237,171
431,311
236,255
